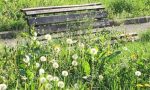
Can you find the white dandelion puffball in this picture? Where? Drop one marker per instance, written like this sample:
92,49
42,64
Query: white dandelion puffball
75,56
100,77
48,86
26,59
49,77
81,45
43,58
138,73
55,78
41,71
35,34
37,65
3,86
76,86
61,84
69,41
93,51
34,38
65,73
48,37
42,80
74,63
55,65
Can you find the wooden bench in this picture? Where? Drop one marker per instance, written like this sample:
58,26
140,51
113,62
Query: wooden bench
64,18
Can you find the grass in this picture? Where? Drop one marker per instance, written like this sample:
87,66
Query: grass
12,19
80,63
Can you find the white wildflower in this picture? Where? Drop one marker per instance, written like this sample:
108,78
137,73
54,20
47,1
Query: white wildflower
69,41
55,78
75,56
37,65
41,71
55,65
61,84
3,86
48,37
74,63
26,59
49,77
64,73
42,80
138,73
93,51
100,77
43,58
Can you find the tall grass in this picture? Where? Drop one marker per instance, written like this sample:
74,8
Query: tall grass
12,19
90,62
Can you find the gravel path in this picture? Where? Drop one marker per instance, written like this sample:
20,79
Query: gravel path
134,28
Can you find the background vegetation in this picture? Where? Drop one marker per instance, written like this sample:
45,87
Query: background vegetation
12,19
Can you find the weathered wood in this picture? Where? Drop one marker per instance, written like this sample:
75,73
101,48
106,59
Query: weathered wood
43,29
54,7
60,10
64,18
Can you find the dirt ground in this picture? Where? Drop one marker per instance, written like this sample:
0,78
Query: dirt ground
134,28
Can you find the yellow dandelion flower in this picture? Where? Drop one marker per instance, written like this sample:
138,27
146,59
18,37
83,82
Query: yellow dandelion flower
147,85
139,85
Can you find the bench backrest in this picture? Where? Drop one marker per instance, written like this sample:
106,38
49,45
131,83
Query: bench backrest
61,18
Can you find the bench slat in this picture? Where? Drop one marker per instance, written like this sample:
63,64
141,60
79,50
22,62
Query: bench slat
60,10
54,7
64,18
43,29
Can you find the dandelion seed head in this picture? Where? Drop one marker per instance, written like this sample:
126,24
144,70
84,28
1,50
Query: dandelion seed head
43,58
75,56
37,65
41,71
74,63
49,77
93,51
42,80
3,86
65,73
55,78
138,73
69,41
61,84
55,65
100,77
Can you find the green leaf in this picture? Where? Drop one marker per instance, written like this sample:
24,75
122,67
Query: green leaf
30,74
86,67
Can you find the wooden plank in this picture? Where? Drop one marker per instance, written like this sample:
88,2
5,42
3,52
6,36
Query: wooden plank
43,29
54,7
64,18
60,10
